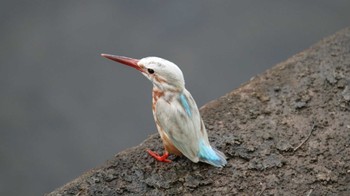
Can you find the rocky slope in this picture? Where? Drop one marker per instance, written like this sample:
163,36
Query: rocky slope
285,132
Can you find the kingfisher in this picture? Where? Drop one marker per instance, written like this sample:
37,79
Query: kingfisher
175,112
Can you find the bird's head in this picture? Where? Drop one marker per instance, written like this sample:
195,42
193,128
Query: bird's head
164,74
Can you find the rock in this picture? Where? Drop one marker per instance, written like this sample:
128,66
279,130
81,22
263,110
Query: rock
346,93
256,126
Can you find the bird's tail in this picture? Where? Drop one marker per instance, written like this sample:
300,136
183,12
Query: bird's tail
211,156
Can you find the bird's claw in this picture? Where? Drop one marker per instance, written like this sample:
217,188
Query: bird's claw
163,158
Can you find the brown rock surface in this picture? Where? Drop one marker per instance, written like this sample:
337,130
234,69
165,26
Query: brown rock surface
285,132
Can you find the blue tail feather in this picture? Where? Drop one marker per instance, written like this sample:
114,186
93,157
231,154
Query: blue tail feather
211,155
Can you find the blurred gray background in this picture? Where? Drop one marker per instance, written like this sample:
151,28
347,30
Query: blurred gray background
64,109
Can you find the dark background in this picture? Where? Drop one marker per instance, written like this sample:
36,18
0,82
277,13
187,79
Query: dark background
64,109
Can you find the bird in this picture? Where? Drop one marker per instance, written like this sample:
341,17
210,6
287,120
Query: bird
175,112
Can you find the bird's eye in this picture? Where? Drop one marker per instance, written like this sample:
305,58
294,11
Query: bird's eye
151,71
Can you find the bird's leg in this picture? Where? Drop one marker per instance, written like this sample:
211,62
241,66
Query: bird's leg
163,158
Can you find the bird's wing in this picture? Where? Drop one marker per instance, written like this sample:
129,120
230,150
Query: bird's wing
181,121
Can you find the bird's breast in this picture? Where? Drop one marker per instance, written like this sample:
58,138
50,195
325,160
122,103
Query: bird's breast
156,94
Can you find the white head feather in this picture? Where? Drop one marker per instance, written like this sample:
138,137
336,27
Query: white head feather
165,75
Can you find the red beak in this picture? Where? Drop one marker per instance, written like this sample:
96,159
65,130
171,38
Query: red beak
124,60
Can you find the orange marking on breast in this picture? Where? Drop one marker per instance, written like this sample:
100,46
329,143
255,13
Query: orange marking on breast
156,95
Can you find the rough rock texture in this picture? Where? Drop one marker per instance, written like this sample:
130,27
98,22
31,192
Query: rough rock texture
285,132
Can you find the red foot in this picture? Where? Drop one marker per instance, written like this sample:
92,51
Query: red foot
158,157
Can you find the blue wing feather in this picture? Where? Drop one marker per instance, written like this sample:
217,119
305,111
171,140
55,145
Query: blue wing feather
185,104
